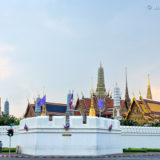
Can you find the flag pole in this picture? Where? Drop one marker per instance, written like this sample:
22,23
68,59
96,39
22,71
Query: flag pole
100,109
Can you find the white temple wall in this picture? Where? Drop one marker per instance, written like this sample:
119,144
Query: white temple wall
50,138
5,138
92,138
140,137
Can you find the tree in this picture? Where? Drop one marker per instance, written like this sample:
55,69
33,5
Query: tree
7,120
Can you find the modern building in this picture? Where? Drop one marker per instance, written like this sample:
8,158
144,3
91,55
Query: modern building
6,108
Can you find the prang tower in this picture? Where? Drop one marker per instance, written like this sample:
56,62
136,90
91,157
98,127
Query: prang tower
101,90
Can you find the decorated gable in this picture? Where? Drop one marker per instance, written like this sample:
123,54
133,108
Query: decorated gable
136,114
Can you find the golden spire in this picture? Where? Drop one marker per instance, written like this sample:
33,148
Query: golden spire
43,108
149,93
92,110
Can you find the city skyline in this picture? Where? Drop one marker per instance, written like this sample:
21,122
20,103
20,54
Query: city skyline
58,45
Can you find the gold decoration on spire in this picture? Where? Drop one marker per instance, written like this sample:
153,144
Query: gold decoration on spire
92,110
43,108
149,93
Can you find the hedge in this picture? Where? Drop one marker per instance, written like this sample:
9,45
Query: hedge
141,150
4,149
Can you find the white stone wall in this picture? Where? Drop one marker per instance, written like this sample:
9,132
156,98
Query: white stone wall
140,137
46,137
5,138
50,138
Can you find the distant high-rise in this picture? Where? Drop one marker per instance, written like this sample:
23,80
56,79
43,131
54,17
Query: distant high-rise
6,108
101,90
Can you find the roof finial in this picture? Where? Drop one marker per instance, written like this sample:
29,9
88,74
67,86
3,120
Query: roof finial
43,90
34,99
100,64
28,100
140,94
133,93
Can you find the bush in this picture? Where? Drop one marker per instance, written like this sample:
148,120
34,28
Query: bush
141,150
5,149
128,122
156,124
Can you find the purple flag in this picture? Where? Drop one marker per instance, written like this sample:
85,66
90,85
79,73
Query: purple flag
42,101
25,127
100,103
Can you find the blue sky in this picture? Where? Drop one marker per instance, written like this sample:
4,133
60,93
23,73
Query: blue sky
58,44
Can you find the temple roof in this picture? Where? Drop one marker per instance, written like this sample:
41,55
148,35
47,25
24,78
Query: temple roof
150,108
85,104
51,109
153,105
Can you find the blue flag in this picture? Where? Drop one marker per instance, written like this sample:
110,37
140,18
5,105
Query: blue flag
100,103
42,101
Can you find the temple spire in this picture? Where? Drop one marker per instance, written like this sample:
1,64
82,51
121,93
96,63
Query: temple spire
101,90
126,91
127,98
92,110
149,93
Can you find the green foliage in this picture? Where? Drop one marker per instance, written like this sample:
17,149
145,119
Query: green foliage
140,150
129,123
157,124
7,149
6,120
